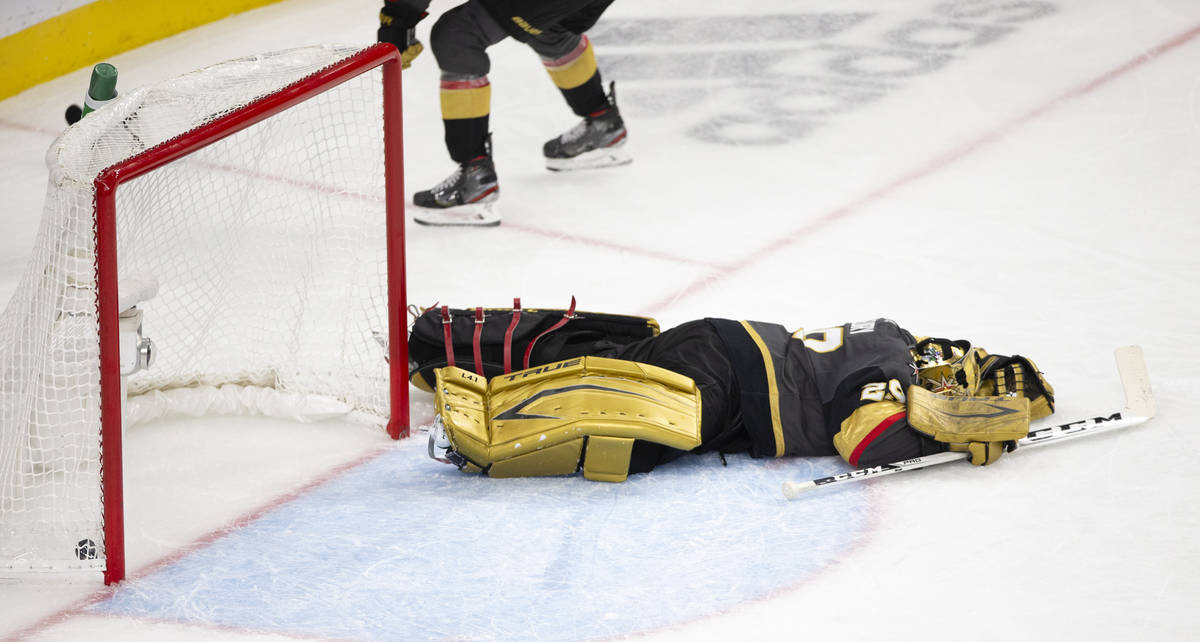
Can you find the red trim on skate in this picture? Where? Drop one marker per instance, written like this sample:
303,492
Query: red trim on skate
508,334
570,314
878,430
618,138
483,195
477,340
447,339
570,57
470,83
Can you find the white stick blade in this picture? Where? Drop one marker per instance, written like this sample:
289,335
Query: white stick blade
1131,364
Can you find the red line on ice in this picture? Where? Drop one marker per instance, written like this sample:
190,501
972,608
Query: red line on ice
596,242
104,593
931,167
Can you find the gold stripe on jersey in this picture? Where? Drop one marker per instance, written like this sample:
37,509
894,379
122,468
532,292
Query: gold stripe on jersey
772,387
574,69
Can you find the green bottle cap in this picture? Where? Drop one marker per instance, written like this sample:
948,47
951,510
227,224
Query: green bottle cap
104,82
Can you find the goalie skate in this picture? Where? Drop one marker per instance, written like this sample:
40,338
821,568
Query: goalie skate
596,141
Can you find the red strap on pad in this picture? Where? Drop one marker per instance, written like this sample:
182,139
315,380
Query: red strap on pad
446,337
570,314
476,341
508,334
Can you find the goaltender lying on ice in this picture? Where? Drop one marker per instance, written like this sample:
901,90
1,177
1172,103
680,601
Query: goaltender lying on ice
527,392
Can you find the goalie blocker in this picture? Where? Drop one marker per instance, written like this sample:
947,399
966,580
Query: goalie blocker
626,401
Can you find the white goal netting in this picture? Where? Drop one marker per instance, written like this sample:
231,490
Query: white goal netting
269,251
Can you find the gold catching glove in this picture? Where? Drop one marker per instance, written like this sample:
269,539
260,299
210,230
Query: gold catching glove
553,419
1018,376
955,368
984,427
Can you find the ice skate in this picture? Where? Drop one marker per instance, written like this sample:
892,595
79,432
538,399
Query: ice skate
596,141
466,197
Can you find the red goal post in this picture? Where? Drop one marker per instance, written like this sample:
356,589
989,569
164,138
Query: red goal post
295,194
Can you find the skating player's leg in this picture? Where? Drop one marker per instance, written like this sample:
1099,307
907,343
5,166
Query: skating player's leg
459,41
599,139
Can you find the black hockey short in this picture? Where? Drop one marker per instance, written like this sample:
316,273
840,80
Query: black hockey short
694,350
460,37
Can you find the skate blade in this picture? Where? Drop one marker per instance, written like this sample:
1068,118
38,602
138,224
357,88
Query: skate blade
595,159
471,215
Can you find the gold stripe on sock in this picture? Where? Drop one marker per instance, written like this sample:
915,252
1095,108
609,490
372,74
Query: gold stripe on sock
575,71
474,102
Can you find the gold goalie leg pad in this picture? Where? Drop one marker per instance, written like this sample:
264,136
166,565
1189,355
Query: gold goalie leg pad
544,420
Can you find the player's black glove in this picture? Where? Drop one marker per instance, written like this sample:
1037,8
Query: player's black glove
397,24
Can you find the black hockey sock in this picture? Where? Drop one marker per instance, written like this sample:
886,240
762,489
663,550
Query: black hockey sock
588,97
466,138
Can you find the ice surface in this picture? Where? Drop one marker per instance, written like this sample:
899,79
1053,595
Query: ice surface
1022,174
525,559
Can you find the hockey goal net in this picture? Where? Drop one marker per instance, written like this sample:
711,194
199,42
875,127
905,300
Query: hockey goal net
239,230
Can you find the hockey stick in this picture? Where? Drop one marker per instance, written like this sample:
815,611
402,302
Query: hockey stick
1139,408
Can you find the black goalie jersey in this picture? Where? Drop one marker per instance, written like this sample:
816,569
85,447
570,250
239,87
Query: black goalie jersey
837,390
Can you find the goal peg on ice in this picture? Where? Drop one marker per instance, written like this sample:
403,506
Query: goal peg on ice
101,89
